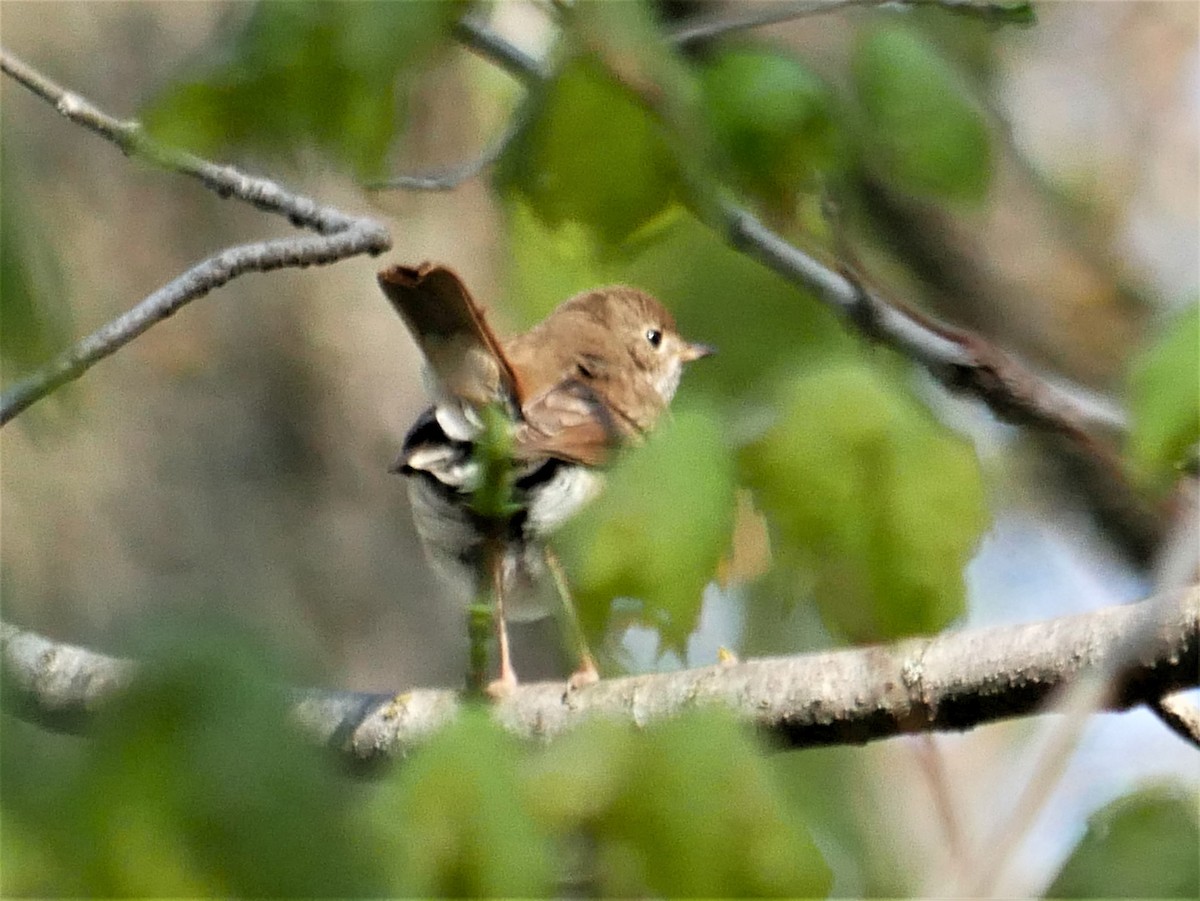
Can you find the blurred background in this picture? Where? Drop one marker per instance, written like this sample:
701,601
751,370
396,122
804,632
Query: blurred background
232,463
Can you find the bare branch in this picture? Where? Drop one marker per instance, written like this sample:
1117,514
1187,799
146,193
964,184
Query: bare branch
953,681
762,14
341,236
1180,715
516,62
451,178
758,15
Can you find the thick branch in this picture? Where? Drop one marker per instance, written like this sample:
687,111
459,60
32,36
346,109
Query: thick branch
953,681
341,236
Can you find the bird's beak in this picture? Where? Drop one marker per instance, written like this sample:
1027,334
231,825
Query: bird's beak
696,351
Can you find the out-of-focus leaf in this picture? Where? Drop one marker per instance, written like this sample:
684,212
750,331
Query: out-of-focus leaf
687,808
772,120
660,528
591,153
579,777
34,315
549,263
877,501
308,73
195,784
1143,845
760,323
836,790
1164,396
923,132
458,824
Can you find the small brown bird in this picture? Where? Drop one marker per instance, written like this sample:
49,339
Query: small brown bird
593,376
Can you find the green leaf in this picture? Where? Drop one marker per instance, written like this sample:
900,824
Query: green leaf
660,528
877,502
923,130
760,322
1164,397
772,119
304,74
549,262
34,315
460,825
592,154
687,808
194,783
1140,846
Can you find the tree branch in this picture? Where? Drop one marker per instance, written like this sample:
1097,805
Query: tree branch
451,178
341,236
763,14
1181,716
953,681
961,360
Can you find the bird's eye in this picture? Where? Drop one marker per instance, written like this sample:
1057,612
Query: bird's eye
654,336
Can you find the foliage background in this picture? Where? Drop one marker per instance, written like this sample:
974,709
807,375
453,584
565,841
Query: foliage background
216,498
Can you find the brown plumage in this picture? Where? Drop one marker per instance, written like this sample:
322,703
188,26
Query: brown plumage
594,375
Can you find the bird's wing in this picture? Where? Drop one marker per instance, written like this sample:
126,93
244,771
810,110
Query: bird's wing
464,355
571,422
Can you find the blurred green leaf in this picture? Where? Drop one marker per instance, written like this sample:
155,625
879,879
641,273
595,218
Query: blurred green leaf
35,318
460,825
660,528
760,323
923,131
1143,845
308,73
879,503
1164,397
837,791
194,784
549,262
772,119
591,153
686,808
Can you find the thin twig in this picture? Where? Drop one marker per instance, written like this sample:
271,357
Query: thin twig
759,15
1182,716
953,681
933,767
473,33
341,236
453,177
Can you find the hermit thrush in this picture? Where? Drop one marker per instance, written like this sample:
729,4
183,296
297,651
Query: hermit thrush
593,376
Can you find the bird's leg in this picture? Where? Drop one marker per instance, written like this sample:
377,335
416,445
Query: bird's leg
507,681
586,672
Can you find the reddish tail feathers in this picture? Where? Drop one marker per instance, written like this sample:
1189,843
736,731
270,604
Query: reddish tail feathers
449,326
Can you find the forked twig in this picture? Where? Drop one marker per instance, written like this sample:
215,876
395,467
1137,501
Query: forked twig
338,236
